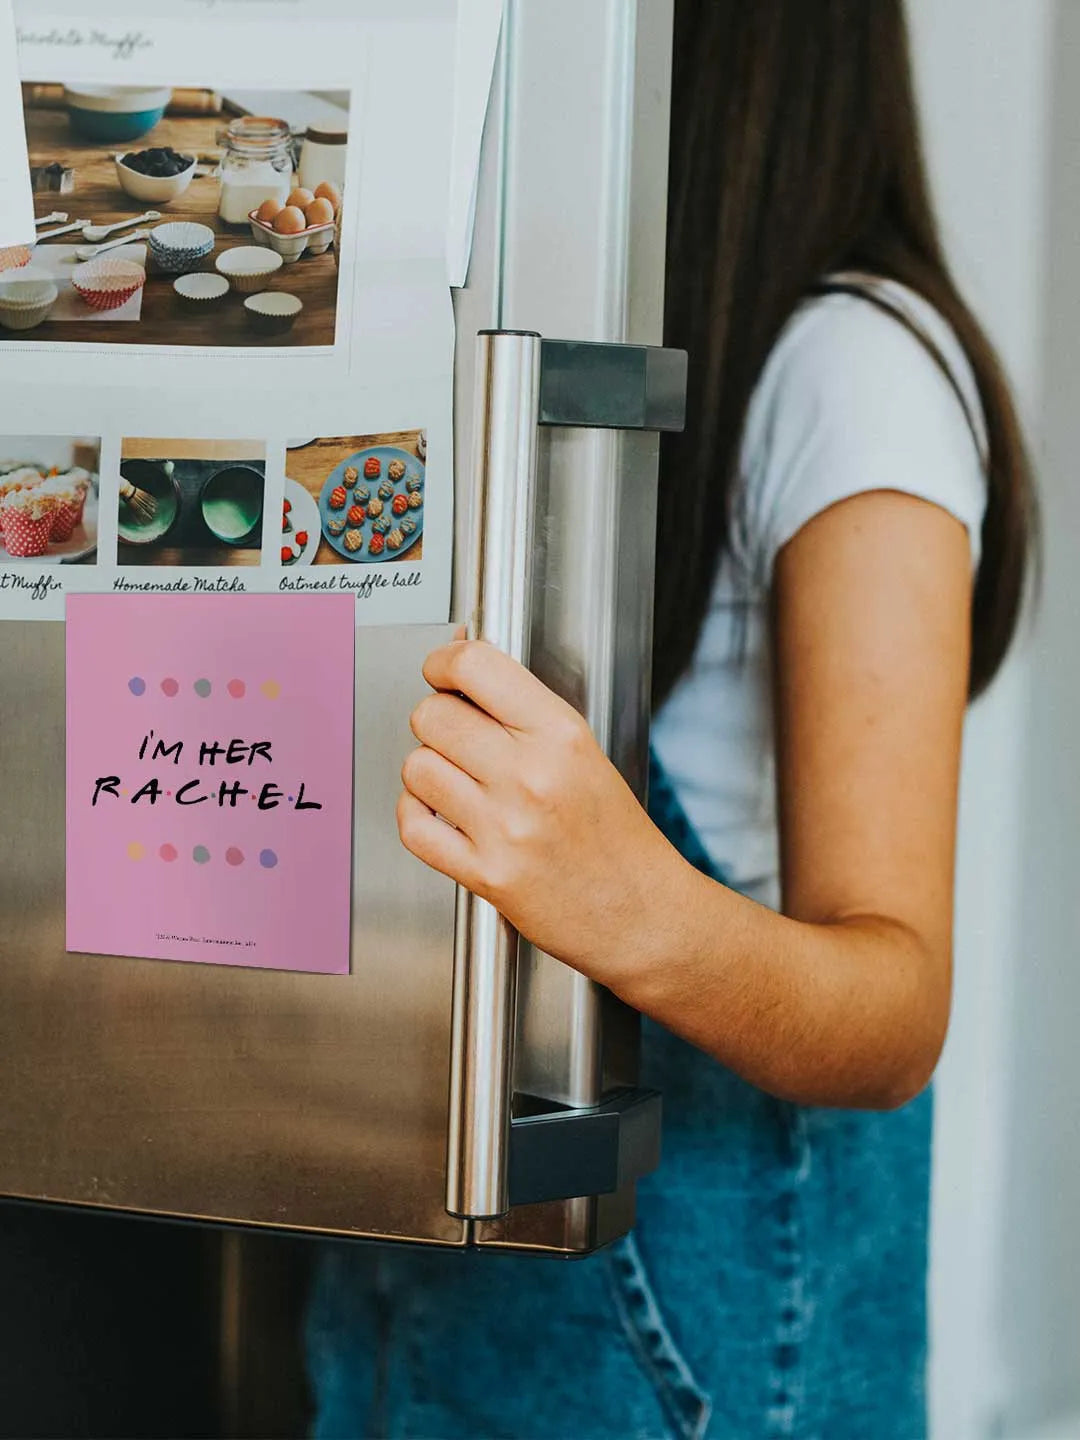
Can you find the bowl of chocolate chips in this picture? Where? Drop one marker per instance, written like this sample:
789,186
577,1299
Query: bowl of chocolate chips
157,175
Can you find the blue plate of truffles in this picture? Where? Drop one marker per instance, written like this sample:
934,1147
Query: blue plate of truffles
372,505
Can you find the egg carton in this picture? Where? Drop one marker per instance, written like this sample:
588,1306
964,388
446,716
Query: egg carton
315,240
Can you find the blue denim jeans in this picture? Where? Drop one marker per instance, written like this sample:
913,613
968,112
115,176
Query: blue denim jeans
774,1286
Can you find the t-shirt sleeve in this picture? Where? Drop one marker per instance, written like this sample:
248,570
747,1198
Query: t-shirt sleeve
849,401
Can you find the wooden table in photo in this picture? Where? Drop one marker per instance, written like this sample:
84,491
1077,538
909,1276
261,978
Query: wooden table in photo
309,466
165,319
243,452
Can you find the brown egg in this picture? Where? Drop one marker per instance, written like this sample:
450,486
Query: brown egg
269,209
319,212
300,197
290,221
328,191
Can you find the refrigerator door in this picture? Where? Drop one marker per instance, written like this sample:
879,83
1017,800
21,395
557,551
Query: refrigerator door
582,132
313,1103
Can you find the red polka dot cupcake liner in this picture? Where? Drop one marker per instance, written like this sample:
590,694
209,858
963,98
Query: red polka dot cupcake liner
64,519
25,537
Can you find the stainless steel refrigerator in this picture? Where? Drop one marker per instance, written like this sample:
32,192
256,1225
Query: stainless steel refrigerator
425,1097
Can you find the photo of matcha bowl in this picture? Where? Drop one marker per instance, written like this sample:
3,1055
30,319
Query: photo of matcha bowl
195,503
231,504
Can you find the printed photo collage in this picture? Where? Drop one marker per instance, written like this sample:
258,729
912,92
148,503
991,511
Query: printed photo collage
163,508
229,339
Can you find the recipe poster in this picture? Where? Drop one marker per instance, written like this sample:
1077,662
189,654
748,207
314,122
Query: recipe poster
209,779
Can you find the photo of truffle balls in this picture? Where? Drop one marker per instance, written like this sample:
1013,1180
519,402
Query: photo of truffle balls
48,500
190,502
179,216
369,493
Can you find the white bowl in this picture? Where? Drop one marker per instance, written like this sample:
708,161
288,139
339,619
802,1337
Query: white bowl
156,189
247,267
118,99
201,287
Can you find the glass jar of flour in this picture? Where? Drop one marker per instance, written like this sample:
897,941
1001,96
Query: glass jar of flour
256,165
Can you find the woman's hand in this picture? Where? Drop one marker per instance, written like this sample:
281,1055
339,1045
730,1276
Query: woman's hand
541,823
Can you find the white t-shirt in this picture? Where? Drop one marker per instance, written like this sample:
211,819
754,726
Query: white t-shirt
848,401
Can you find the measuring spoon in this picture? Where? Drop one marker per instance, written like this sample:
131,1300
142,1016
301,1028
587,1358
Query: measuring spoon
53,218
63,229
90,252
98,232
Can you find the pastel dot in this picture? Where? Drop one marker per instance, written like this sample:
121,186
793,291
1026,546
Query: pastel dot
237,689
135,851
168,853
200,854
170,687
291,799
137,685
202,688
267,859
271,689
233,856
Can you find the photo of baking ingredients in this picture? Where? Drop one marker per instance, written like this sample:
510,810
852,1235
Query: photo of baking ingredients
354,499
48,499
179,217
190,502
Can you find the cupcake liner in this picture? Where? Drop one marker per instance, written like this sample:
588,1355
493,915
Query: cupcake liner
64,519
25,537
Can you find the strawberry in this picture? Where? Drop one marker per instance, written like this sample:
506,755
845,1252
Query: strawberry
301,538
287,506
287,556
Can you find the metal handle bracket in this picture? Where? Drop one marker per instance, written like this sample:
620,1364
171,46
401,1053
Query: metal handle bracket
561,1154
612,387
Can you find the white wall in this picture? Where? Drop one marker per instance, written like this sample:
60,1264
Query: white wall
1041,1259
1006,1224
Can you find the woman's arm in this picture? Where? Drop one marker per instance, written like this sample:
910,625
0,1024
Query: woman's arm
844,998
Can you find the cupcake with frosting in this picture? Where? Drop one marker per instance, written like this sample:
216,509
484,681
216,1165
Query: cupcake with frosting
28,521
23,477
70,495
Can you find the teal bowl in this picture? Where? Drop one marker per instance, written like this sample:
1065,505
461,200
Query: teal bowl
114,114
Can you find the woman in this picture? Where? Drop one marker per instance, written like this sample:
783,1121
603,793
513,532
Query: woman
852,561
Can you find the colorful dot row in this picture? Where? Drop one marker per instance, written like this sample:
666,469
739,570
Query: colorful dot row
201,855
271,689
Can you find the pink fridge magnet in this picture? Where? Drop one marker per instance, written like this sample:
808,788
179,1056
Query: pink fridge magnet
209,778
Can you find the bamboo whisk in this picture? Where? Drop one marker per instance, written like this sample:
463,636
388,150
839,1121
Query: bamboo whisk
139,501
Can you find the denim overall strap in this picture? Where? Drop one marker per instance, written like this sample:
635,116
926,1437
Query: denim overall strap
667,814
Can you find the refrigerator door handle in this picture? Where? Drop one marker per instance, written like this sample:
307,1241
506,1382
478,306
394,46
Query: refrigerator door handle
485,945
521,382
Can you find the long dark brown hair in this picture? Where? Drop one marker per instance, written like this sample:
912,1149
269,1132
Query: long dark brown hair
795,153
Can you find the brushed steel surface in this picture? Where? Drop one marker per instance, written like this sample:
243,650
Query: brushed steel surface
486,945
289,1100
